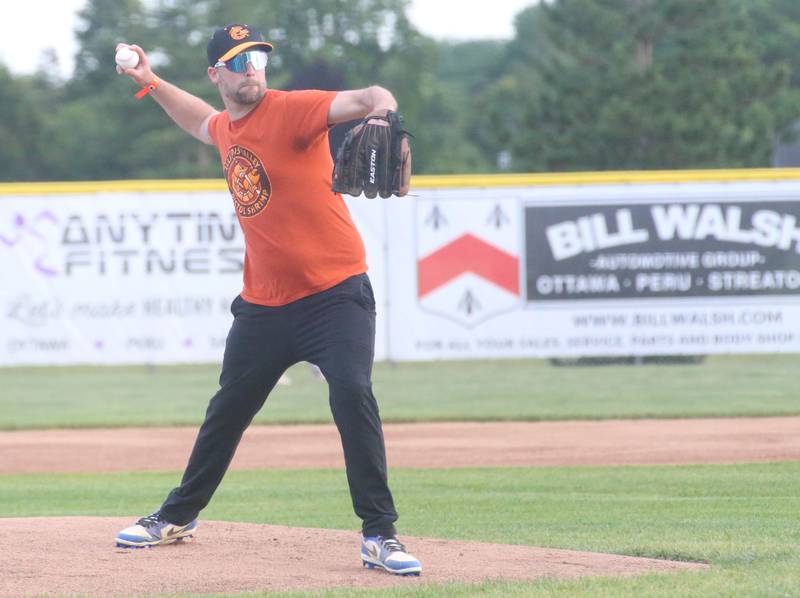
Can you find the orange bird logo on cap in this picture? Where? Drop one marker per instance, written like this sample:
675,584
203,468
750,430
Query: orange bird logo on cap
238,33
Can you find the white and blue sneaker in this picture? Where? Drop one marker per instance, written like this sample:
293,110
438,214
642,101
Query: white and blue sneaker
153,530
389,554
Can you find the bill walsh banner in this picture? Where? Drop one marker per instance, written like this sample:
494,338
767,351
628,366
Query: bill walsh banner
683,267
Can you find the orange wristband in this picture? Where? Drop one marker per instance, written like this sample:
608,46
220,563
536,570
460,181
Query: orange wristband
145,90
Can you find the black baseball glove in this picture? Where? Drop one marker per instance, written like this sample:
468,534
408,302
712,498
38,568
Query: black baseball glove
374,158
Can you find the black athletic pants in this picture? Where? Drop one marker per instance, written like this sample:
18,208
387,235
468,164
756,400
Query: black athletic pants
335,330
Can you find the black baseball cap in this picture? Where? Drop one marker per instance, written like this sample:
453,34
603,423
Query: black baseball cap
228,41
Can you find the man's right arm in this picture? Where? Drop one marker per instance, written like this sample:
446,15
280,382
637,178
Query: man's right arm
189,112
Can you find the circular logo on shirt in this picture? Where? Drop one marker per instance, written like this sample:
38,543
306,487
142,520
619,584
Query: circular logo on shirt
247,181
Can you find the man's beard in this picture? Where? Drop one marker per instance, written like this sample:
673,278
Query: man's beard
247,95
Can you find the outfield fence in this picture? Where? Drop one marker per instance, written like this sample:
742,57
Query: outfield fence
565,265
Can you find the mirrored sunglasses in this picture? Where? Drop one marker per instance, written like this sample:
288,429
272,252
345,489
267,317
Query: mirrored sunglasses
238,64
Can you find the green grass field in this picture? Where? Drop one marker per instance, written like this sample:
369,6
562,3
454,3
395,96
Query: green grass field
475,390
742,519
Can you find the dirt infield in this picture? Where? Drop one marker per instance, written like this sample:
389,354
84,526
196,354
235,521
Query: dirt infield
494,444
75,557
65,556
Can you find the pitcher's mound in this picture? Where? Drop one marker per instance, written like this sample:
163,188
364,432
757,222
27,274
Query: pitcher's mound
62,556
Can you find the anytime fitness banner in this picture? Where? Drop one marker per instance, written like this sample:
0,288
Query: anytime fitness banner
460,273
123,277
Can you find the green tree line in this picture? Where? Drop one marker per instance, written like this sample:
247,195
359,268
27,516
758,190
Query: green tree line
582,85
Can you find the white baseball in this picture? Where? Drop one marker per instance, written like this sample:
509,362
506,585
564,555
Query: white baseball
126,58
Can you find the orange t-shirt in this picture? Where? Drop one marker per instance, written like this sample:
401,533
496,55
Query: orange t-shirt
299,237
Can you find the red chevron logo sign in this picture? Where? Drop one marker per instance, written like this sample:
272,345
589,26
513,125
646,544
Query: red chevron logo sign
468,254
468,264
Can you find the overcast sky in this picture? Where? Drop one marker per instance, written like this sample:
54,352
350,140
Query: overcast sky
29,26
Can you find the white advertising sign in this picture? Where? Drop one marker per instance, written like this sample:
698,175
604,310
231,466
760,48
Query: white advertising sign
559,271
126,278
468,259
117,278
604,270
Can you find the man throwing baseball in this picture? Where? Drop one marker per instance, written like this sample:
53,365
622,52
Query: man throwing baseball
306,293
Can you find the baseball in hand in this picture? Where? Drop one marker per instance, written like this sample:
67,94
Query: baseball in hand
127,58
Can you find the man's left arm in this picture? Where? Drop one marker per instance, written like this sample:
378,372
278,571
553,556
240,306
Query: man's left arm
359,103
375,156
